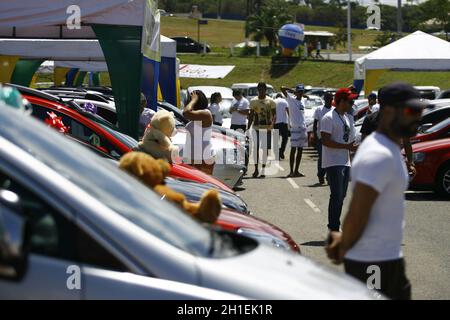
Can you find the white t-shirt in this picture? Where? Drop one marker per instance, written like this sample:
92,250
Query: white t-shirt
236,117
374,108
379,164
282,107
296,112
318,115
333,123
215,111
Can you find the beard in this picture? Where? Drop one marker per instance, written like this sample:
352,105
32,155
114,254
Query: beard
405,130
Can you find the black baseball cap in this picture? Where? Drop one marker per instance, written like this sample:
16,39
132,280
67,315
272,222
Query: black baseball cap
401,94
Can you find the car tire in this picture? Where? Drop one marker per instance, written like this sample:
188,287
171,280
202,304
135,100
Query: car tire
442,185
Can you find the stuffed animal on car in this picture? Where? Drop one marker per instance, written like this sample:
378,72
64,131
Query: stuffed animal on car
157,137
152,173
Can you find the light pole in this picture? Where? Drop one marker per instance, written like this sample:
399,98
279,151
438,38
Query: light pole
399,18
349,30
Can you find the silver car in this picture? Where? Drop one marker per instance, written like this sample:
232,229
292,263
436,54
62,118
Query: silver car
81,228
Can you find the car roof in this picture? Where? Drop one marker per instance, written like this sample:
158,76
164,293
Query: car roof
209,90
248,85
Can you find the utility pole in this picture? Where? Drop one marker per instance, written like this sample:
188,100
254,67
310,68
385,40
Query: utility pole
349,30
219,9
399,18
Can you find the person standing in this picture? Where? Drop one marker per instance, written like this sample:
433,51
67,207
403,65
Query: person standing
373,228
262,117
373,105
198,149
318,48
318,115
336,130
299,135
214,107
240,108
281,122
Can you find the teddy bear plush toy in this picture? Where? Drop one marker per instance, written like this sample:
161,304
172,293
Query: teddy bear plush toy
152,173
156,141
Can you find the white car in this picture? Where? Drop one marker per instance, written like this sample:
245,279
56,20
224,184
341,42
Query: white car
94,232
250,90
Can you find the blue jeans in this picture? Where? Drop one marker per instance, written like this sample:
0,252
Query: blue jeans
320,171
338,177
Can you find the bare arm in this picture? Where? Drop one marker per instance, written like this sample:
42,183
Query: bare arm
250,119
355,222
285,91
408,149
197,115
326,141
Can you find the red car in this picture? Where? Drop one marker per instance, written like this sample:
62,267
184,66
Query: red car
432,159
106,139
440,130
256,228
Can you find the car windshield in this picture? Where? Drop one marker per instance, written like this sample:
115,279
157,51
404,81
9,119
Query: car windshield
105,182
438,126
125,139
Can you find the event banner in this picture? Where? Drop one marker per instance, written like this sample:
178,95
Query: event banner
151,46
204,72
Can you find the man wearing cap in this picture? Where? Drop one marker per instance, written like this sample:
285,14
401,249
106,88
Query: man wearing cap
373,228
299,135
336,130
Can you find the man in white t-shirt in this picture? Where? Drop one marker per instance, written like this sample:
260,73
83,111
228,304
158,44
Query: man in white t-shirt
299,135
373,105
336,132
318,115
281,122
240,108
373,228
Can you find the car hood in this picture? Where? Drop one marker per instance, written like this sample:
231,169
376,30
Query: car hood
219,141
429,145
284,276
230,220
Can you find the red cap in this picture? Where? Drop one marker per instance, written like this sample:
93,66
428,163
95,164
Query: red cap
345,94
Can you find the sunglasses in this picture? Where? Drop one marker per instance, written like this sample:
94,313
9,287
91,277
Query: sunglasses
410,111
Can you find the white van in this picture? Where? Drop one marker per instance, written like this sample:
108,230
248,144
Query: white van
250,90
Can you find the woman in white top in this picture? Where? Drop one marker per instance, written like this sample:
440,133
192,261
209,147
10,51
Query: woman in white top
198,141
216,99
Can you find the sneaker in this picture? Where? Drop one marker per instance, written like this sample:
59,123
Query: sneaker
298,174
321,180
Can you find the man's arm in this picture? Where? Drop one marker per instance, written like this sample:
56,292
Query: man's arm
285,91
326,141
355,222
250,119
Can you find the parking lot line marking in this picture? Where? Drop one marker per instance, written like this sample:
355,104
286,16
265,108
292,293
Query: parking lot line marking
293,184
279,167
312,205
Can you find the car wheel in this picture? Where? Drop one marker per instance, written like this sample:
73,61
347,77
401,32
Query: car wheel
443,180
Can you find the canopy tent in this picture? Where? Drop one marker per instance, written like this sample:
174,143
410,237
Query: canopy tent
87,56
127,30
418,51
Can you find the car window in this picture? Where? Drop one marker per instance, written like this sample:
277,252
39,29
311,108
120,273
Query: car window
78,130
52,234
436,116
438,126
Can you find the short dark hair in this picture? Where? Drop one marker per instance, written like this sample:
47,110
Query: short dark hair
262,85
215,96
279,95
237,93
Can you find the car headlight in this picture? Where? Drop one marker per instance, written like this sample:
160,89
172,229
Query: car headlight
418,157
264,238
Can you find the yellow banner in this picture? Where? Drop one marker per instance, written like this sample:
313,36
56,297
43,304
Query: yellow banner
7,65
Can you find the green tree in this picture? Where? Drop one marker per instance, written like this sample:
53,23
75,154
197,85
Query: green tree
266,23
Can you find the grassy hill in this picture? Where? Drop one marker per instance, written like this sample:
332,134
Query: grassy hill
317,73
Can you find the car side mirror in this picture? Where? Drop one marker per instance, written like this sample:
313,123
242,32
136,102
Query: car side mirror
12,236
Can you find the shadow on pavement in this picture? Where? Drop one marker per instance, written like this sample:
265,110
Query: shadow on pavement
313,243
424,196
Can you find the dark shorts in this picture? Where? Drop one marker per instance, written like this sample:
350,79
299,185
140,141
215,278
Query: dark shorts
393,281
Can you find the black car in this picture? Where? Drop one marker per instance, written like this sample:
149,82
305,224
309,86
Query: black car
186,44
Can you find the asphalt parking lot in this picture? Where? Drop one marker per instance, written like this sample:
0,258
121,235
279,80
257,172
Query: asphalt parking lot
299,206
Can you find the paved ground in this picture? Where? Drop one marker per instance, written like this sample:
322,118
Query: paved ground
299,206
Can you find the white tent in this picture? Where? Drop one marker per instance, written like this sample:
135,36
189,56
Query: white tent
418,51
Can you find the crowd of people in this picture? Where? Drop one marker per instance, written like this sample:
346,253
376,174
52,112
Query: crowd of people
372,230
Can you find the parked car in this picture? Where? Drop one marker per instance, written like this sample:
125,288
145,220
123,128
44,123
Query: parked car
82,213
440,130
444,94
189,45
100,135
432,160
428,92
250,90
